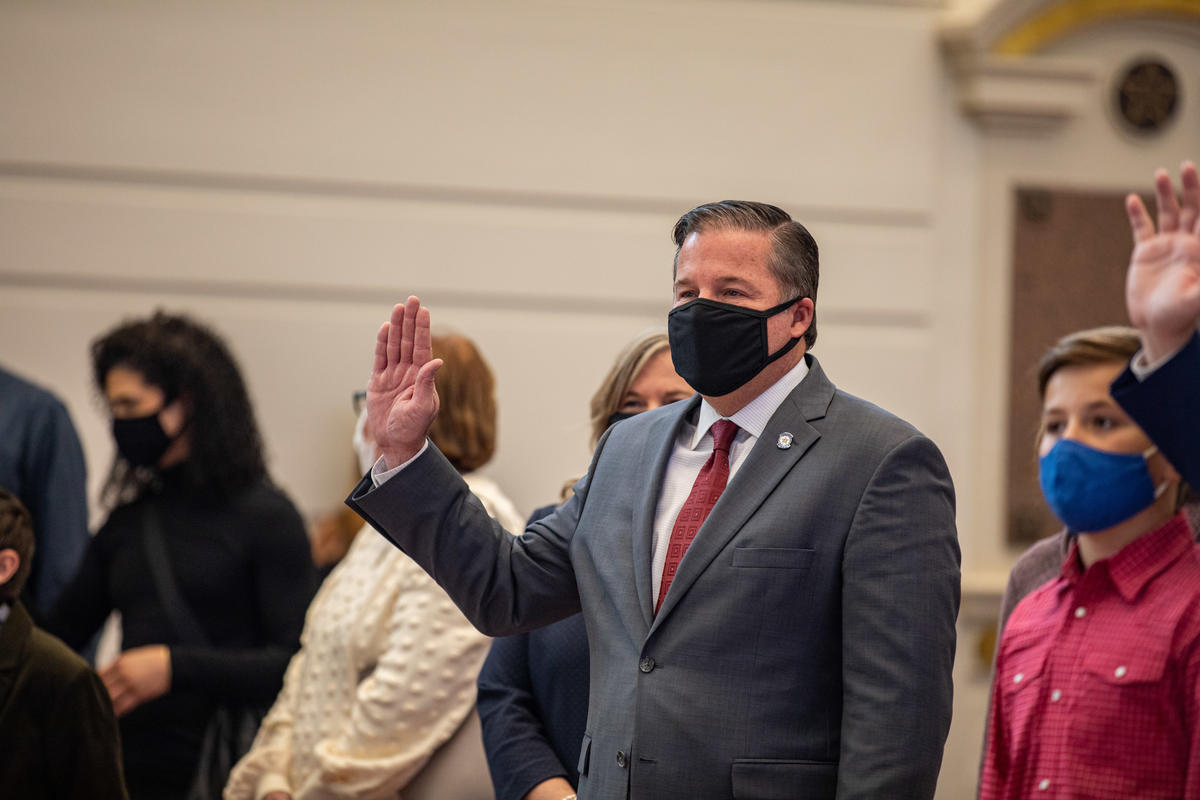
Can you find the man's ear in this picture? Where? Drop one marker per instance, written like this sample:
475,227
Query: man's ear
10,562
802,316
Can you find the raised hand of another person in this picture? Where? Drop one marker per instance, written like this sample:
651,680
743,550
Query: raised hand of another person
1162,288
401,399
137,676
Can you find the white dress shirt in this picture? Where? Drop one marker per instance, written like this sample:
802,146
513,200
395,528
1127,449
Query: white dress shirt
694,445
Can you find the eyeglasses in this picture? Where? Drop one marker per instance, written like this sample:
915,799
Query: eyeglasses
359,400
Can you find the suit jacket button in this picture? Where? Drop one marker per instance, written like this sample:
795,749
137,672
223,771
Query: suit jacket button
622,760
646,664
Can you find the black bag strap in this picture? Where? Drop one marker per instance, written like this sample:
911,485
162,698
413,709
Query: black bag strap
179,613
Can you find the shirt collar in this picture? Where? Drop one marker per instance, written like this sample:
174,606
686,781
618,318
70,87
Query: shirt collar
754,416
1138,562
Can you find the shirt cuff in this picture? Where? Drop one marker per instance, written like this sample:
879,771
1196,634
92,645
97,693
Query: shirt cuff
1142,369
380,476
271,782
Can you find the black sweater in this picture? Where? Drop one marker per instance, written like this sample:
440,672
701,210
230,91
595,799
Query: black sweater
244,568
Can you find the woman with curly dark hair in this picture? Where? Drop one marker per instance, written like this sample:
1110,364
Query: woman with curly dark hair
206,561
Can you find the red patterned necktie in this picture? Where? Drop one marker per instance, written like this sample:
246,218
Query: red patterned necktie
705,491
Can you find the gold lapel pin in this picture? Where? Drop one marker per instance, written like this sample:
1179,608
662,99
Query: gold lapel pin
784,441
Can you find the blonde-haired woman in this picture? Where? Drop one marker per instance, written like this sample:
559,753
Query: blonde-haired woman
533,689
386,671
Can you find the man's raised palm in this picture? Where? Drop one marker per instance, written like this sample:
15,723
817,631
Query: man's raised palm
401,399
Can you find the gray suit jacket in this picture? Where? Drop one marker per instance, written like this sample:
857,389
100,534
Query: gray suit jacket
805,647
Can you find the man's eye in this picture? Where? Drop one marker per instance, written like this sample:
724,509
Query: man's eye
1053,428
1104,423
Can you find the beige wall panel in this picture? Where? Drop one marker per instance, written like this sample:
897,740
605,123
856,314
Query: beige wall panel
889,366
782,101
342,246
266,243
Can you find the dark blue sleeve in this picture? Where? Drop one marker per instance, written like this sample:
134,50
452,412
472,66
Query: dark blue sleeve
56,494
519,753
1167,407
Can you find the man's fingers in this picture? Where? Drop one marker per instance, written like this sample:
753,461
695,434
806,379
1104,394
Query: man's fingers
394,334
1139,219
1168,206
411,311
381,342
422,340
1190,213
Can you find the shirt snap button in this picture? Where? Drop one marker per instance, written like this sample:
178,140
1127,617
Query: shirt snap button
1056,695
1120,671
1080,612
1020,676
1044,785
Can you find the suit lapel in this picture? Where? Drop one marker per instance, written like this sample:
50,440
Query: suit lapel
657,451
759,474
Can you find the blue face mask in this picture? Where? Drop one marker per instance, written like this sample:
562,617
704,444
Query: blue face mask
1093,490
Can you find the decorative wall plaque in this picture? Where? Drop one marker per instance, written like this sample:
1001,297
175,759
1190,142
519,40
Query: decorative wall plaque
1147,95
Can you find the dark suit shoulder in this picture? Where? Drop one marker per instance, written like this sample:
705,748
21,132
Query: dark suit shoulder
54,664
871,423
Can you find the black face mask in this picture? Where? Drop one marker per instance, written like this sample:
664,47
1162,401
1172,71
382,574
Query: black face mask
718,347
141,440
617,416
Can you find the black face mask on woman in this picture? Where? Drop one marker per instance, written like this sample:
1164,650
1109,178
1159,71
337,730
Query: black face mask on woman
617,416
141,440
718,347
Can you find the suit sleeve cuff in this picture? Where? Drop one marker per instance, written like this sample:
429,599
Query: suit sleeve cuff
380,475
1142,368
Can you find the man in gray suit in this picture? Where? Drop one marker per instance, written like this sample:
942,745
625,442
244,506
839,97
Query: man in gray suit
769,571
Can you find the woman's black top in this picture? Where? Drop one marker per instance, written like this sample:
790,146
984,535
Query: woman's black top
243,566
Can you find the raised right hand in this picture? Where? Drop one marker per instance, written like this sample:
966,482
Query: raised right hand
1162,288
401,399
